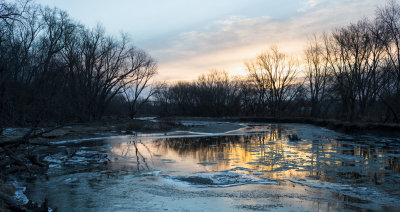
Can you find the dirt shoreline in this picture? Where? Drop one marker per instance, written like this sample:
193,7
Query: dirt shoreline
369,128
117,127
341,126
125,127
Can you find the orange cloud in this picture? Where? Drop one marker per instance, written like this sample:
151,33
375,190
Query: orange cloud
226,44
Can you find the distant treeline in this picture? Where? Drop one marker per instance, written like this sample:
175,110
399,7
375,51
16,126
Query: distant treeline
351,73
55,69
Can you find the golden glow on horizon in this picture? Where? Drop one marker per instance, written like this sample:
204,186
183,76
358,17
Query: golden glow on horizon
232,61
235,40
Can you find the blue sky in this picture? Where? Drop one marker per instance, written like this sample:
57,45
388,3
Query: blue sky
190,37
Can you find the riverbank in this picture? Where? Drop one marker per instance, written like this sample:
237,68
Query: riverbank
113,127
370,128
116,127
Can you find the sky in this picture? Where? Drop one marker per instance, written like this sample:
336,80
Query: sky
191,37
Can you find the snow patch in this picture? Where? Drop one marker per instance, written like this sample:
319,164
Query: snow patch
11,131
19,193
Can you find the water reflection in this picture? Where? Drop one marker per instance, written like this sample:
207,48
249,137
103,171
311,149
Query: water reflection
266,152
325,171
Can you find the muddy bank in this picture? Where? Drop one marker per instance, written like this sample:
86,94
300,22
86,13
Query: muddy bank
117,127
341,126
370,128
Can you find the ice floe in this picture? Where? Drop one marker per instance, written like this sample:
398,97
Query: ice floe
220,179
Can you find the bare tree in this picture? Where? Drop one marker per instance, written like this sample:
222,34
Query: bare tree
354,55
138,87
316,74
49,61
389,18
216,93
262,85
275,74
13,11
101,67
250,97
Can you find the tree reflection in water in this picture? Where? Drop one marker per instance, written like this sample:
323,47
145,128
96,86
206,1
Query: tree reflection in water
133,150
333,158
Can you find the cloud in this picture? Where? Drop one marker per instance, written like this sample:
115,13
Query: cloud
226,44
310,4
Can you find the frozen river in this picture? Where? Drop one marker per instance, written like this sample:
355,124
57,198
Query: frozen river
255,168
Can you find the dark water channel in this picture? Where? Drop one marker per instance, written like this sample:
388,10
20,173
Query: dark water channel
253,169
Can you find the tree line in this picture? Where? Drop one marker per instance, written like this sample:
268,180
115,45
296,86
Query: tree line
55,69
351,73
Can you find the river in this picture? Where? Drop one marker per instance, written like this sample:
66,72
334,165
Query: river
255,168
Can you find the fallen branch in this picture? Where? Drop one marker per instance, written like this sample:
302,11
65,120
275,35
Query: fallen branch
29,135
14,157
35,159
